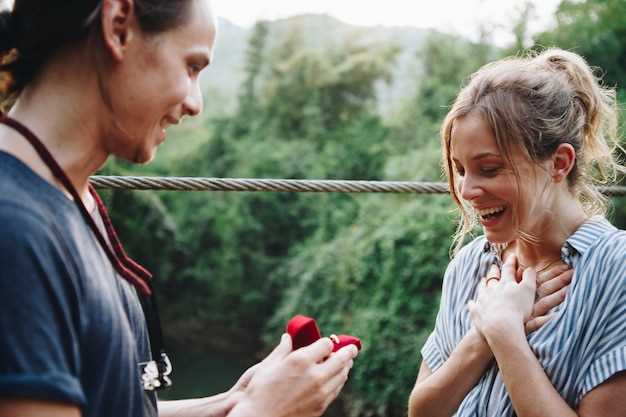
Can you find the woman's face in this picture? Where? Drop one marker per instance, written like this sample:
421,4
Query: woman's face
157,84
487,182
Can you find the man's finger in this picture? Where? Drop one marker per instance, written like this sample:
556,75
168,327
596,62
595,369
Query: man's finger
337,382
245,379
317,351
282,350
338,361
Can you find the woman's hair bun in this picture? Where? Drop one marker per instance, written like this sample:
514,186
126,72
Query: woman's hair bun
7,32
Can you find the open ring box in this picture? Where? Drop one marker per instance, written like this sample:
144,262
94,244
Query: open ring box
304,331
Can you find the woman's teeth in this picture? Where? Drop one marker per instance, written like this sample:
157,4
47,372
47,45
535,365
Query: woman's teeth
486,213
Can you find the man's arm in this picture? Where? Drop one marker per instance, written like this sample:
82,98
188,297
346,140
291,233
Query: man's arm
216,406
287,383
11,407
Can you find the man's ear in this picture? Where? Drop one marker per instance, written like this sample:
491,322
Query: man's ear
563,161
118,26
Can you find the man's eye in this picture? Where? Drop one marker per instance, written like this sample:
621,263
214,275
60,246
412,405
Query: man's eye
195,69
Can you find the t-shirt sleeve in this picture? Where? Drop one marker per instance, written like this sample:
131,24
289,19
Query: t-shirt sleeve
434,351
610,354
39,313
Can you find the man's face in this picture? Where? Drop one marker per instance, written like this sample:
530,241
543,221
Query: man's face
159,83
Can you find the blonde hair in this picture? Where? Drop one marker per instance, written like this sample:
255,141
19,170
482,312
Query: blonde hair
539,102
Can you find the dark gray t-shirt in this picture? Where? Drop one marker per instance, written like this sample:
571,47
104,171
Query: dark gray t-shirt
71,330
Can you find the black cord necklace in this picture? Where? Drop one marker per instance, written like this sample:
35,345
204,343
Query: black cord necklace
155,373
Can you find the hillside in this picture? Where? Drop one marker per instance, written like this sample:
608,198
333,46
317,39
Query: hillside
222,79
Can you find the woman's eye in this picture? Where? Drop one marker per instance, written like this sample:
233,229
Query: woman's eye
490,171
460,171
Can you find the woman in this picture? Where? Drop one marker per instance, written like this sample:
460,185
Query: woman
520,146
91,79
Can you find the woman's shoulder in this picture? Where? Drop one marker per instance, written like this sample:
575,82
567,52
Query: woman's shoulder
469,260
601,241
473,251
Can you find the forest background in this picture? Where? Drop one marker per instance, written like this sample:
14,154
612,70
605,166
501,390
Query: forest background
310,97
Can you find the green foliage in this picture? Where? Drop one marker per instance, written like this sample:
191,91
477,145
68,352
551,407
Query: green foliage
378,278
303,113
234,267
596,29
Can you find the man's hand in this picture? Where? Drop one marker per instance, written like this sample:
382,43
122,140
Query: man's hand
289,384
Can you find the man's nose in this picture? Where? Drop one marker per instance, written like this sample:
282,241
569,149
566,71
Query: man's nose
192,106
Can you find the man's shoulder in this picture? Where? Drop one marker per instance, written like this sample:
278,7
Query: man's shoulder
18,219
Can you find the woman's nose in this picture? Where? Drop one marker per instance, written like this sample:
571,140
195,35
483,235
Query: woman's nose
470,188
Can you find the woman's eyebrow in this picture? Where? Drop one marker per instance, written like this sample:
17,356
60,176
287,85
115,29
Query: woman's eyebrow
485,155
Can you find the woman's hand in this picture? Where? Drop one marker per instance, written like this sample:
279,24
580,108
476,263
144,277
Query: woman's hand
503,306
552,284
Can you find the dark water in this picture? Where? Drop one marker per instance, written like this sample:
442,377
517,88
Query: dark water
200,374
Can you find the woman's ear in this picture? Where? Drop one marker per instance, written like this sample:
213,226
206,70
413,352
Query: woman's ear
563,161
118,26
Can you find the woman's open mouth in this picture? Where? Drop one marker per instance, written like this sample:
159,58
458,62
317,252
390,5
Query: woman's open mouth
491,216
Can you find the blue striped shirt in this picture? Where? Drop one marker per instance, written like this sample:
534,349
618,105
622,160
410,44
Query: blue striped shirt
583,344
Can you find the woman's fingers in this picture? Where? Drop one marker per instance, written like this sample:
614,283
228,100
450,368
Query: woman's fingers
535,323
529,278
554,283
548,302
551,291
552,272
509,269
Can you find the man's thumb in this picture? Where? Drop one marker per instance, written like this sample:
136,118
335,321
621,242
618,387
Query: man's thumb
283,349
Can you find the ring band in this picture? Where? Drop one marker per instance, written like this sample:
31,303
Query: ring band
489,279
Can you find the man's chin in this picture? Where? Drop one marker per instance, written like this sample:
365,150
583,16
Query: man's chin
143,156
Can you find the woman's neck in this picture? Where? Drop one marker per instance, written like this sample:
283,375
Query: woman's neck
545,245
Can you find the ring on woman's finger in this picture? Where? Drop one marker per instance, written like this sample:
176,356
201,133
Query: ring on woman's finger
489,279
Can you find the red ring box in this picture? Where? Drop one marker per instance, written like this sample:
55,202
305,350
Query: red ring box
304,331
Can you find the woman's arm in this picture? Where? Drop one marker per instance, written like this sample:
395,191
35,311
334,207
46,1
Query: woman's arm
499,314
441,393
532,393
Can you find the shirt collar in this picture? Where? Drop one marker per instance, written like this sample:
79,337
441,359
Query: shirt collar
587,234
580,241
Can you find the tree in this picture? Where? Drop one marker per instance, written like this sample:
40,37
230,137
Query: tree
596,29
